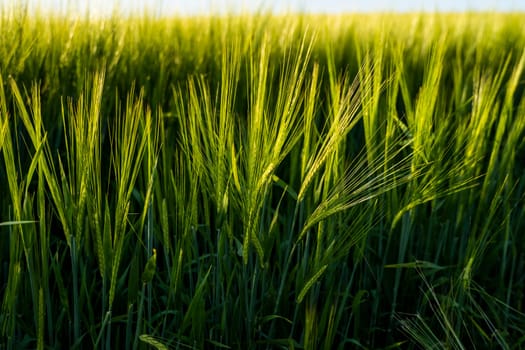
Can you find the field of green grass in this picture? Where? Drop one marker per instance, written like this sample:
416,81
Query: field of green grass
262,182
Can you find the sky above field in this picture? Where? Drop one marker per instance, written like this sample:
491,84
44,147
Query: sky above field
167,7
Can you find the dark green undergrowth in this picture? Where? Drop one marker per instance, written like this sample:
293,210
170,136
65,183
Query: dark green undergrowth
262,181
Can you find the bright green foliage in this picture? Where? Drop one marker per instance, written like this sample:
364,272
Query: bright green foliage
317,182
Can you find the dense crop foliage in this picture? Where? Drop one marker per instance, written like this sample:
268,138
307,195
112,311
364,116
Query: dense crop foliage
262,181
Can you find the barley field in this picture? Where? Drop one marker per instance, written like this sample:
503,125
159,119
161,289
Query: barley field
262,181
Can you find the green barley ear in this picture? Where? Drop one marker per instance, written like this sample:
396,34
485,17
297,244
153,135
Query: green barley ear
149,270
